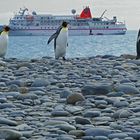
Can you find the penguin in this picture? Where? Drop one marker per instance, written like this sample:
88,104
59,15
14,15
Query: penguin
138,46
60,41
4,41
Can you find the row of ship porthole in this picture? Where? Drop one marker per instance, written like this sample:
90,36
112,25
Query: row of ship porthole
21,28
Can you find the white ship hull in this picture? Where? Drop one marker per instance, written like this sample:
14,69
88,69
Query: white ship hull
84,32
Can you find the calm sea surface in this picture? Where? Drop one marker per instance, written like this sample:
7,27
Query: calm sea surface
28,47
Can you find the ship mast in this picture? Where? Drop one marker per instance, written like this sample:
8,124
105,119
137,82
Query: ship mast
22,11
103,14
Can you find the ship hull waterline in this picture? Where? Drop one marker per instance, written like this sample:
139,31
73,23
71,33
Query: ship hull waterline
72,32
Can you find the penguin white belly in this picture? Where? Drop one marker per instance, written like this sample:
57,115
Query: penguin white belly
61,44
3,45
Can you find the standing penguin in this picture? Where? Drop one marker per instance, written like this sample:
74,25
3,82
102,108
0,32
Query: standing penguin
138,46
4,41
60,41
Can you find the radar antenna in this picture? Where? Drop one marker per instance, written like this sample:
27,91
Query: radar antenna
73,11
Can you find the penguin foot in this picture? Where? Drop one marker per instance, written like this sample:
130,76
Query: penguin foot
64,58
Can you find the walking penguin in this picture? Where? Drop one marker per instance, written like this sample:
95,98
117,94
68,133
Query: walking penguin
60,41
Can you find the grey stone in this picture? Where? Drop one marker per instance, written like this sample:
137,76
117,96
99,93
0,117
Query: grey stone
122,113
101,138
98,132
40,83
83,121
3,100
65,93
66,127
57,113
127,89
88,138
7,122
121,104
118,135
91,114
17,114
27,96
19,83
10,134
96,89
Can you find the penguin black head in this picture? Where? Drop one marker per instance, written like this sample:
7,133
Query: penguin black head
64,24
6,28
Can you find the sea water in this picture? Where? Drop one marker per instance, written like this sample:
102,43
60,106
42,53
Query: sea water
30,47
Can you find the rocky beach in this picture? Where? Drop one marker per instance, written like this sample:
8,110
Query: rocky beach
95,98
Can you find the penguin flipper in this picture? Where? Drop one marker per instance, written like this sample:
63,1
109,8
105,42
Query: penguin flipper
53,36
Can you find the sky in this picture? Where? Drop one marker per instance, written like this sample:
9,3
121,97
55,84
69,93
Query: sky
124,10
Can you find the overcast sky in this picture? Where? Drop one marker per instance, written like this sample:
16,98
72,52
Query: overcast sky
125,10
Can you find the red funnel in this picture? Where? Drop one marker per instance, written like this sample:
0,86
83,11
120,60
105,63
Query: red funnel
85,13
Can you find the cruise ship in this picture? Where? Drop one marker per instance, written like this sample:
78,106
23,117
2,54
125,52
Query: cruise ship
32,24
